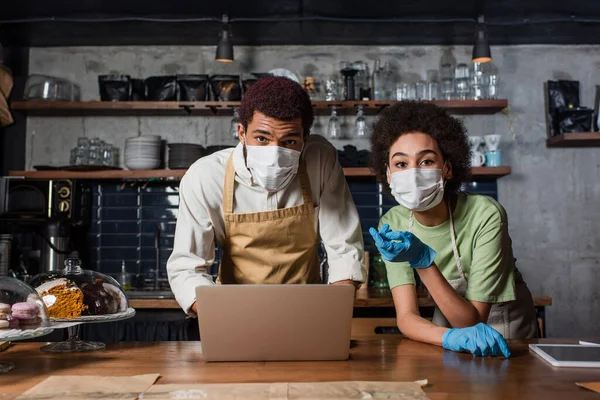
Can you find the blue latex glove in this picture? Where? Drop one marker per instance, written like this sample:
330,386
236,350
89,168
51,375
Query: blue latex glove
398,246
479,340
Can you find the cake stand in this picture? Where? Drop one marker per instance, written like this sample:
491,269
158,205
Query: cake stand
13,335
74,344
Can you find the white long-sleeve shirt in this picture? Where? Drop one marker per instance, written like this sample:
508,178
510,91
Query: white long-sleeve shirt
200,219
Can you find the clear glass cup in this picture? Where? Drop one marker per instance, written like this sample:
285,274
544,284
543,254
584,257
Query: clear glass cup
432,90
334,128
493,86
402,91
412,91
447,89
81,156
462,81
360,125
421,90
95,152
107,155
233,125
479,81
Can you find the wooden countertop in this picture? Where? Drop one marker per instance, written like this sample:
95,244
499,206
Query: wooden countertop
364,298
450,375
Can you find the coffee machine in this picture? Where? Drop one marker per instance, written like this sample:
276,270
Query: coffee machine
55,245
46,220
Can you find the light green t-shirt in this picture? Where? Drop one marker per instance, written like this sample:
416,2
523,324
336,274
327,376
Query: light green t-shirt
483,243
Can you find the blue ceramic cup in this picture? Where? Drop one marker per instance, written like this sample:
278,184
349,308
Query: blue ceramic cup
493,158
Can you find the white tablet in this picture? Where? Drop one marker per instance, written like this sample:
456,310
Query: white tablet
568,355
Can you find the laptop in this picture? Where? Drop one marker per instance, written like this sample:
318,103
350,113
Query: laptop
275,322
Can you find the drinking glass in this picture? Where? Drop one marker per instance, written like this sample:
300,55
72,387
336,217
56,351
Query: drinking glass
479,81
432,90
95,155
107,155
402,91
463,86
421,90
80,155
233,126
492,87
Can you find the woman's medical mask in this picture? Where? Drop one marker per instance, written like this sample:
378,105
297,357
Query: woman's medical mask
418,189
272,167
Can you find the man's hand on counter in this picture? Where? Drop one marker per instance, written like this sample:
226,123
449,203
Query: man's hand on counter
348,282
195,308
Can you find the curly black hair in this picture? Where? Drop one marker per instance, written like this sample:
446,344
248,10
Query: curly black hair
279,98
413,116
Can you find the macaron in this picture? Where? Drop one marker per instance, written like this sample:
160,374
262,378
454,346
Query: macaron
4,324
25,311
4,311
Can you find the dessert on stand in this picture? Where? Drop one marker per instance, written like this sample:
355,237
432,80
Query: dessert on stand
79,296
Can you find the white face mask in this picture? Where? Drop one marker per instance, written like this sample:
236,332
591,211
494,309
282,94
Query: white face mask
418,189
272,167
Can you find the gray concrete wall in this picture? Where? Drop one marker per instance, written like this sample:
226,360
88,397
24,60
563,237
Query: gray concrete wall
552,197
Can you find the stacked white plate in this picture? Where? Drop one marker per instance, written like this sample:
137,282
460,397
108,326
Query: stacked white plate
143,152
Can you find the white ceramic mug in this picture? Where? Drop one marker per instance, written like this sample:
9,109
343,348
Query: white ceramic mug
475,142
477,159
492,142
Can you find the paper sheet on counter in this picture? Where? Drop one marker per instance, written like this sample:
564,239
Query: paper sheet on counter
593,386
288,391
90,387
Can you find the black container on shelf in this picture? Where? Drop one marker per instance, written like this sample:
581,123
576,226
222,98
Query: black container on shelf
226,87
161,88
138,90
560,96
192,87
114,87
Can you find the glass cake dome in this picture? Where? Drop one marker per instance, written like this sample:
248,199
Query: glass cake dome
74,293
20,306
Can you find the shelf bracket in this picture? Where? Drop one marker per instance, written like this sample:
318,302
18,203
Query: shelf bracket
187,108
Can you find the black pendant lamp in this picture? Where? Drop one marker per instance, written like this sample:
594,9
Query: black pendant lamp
481,49
225,46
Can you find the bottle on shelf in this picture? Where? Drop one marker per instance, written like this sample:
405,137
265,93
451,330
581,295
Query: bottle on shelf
378,81
334,129
361,129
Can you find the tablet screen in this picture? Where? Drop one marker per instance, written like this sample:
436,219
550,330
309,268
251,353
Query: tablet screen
573,353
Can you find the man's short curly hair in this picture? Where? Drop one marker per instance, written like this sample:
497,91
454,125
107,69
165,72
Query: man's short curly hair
279,98
412,116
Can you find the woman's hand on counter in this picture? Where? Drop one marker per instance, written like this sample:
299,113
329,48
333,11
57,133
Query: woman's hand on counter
480,340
